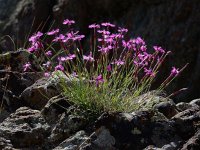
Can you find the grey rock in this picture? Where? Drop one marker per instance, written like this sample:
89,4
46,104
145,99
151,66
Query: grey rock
183,106
54,108
25,128
66,125
195,101
193,143
167,108
37,95
5,144
77,141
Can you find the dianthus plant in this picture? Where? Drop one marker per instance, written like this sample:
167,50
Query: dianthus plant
110,71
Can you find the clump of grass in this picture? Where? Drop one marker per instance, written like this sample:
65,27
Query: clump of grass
110,73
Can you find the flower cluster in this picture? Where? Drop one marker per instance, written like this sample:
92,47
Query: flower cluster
111,54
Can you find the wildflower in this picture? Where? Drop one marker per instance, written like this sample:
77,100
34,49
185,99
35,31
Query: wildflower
99,79
118,62
174,71
105,50
74,74
94,26
109,69
139,41
27,66
48,53
143,48
53,32
88,58
59,67
46,74
104,32
68,22
70,57
149,72
159,49
59,38
35,37
108,24
122,30
47,64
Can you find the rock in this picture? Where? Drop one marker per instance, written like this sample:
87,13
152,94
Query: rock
149,100
66,125
55,107
37,95
19,18
77,141
195,101
185,122
138,130
104,139
184,106
6,144
193,143
16,59
3,114
25,128
167,108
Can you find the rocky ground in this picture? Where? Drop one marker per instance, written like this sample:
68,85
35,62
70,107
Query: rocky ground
36,116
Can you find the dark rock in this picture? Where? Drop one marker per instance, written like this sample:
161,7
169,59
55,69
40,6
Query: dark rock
77,141
167,108
55,107
5,144
195,101
193,143
182,106
25,128
16,59
138,130
66,125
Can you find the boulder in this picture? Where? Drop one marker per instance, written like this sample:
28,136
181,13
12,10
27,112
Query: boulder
77,141
25,128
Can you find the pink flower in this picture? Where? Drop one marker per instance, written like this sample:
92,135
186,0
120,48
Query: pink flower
68,22
109,68
46,74
122,30
104,32
59,38
48,53
105,50
108,24
27,66
53,32
35,37
99,79
59,67
159,49
174,71
139,41
94,26
118,62
47,64
88,58
70,57
149,72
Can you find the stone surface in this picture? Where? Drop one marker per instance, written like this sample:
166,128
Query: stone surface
77,141
66,125
193,143
25,128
